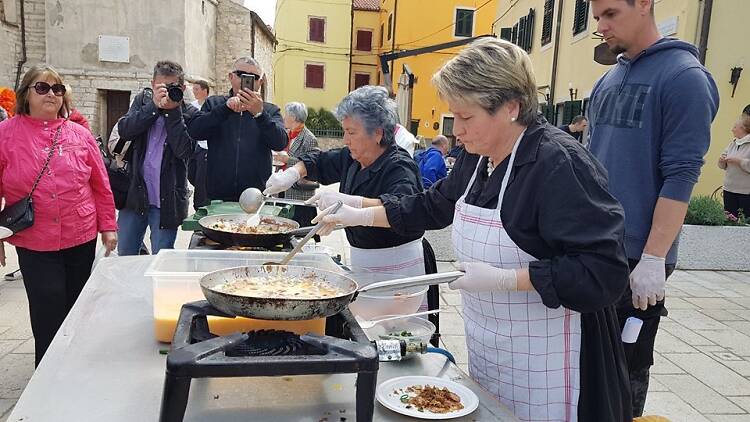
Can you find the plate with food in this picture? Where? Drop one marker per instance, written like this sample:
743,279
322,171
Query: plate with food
427,397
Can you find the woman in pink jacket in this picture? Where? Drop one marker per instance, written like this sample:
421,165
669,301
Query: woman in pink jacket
72,203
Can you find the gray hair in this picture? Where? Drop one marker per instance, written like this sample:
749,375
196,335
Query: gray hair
372,106
296,110
169,68
440,140
248,60
490,72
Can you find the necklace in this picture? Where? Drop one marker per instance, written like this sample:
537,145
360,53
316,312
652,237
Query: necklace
490,166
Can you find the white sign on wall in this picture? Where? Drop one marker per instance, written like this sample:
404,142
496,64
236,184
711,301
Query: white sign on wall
668,26
114,49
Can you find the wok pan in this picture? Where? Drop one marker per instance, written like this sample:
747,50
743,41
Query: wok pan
290,228
299,309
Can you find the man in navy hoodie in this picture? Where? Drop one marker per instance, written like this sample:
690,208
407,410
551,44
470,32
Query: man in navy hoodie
650,120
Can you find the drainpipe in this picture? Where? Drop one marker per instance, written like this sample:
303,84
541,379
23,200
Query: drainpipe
705,27
553,80
351,41
252,35
23,46
393,40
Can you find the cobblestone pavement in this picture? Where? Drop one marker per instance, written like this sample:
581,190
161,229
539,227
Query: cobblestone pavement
702,370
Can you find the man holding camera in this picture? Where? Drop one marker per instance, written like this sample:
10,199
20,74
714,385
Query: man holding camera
158,194
241,130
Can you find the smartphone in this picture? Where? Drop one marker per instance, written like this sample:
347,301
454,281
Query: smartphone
247,81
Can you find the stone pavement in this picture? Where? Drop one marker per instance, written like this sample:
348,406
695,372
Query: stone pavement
702,370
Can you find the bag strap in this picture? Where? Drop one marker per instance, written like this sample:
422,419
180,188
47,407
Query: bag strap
49,157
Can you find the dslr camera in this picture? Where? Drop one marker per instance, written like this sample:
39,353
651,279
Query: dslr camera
174,92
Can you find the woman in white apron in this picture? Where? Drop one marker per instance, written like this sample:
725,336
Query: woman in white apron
539,237
370,165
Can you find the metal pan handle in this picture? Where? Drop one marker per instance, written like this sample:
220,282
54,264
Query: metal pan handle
420,280
287,201
303,231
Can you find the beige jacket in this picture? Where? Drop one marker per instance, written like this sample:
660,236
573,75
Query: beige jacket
737,177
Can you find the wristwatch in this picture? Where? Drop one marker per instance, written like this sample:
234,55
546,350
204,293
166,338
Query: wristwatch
256,115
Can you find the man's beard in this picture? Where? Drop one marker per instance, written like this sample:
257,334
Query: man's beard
617,49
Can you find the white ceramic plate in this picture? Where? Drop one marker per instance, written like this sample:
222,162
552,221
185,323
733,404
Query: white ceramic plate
389,396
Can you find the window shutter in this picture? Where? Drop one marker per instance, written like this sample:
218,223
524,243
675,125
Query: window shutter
464,22
567,112
514,37
364,40
506,33
317,30
361,79
576,108
390,26
529,34
581,16
314,75
549,10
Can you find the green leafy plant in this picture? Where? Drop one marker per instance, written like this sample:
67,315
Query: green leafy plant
707,211
321,119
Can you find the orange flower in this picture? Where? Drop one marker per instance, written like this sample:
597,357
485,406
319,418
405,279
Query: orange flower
8,100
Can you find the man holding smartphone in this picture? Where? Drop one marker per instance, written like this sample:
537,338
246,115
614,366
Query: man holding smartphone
241,130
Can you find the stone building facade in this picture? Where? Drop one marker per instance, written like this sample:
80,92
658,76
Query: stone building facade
80,37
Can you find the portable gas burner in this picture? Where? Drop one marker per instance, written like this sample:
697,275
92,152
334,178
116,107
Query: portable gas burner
196,353
199,241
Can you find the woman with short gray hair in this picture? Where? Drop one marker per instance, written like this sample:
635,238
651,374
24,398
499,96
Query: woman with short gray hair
301,141
370,165
538,236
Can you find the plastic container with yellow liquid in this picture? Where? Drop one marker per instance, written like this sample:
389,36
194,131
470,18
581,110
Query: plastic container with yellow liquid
176,275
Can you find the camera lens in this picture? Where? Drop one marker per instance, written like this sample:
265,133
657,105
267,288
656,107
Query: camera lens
175,93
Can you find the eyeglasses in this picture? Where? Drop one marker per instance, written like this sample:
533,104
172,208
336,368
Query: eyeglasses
42,88
241,73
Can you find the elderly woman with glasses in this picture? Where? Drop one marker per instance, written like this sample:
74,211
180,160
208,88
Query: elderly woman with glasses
301,141
370,165
72,201
540,240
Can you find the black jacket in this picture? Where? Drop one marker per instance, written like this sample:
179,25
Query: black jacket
239,146
178,149
556,208
393,173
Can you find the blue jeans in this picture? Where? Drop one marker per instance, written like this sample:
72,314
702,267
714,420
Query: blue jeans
132,228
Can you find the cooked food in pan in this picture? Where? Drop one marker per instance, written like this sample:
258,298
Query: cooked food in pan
266,226
281,287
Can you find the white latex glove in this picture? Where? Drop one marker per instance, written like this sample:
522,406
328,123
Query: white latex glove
482,277
346,216
647,281
324,199
281,181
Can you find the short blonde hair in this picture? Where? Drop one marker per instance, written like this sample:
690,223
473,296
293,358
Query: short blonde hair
22,93
490,72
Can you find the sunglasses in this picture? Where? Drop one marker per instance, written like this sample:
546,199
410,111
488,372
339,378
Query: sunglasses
241,73
42,88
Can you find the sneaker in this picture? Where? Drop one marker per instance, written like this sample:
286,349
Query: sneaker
15,275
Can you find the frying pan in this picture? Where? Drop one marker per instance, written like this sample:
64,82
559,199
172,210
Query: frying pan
270,240
299,309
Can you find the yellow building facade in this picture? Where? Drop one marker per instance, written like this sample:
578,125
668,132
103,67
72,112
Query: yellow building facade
312,58
411,24
365,35
567,87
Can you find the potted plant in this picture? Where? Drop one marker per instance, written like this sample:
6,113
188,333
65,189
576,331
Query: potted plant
713,239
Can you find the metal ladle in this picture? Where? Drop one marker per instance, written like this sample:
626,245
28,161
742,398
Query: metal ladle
304,240
252,200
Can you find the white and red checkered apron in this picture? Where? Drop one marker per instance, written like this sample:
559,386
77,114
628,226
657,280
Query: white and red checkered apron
523,352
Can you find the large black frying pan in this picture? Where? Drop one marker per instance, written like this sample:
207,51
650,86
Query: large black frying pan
287,229
299,309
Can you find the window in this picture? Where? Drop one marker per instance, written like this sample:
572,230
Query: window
390,26
506,34
514,34
364,40
526,31
581,16
381,35
464,22
314,75
549,6
317,29
447,126
361,79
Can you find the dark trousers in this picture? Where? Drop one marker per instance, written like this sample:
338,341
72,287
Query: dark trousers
197,174
734,202
53,281
640,355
